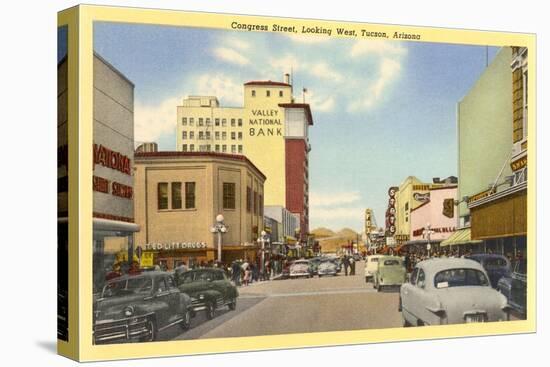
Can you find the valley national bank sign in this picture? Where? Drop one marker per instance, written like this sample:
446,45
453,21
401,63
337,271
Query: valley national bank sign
175,246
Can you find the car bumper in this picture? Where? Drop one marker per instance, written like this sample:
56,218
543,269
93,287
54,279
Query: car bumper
123,330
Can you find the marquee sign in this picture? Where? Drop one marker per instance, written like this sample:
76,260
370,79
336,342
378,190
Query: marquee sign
390,213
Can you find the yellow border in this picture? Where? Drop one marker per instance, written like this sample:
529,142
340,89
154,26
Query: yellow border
89,14
69,18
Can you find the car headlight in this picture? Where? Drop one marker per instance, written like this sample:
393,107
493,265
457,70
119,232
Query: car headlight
128,311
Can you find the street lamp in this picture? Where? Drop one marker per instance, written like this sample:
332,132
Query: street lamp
427,234
219,228
263,239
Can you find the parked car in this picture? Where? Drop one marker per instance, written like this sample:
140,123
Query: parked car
371,265
496,266
209,290
314,264
327,267
391,272
514,287
138,307
300,268
450,291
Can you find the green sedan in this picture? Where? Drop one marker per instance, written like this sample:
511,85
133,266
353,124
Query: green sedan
391,272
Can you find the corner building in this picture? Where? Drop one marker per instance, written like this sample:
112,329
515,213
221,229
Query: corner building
179,195
270,129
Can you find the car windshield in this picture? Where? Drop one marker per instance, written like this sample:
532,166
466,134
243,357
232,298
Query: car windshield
391,262
459,278
373,260
128,286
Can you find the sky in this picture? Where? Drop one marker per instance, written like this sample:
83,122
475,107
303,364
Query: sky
382,110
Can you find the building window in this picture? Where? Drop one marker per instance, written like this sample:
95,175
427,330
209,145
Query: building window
189,195
240,122
191,121
208,121
240,135
280,93
255,202
248,199
162,195
217,147
191,135
217,122
233,149
217,135
224,122
208,135
253,93
233,122
268,93
224,135
176,195
233,135
201,135
261,204
228,195
208,147
184,134
184,121
184,147
240,148
192,147
201,121
224,148
406,206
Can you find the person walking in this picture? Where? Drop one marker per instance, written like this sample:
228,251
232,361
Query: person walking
352,266
346,264
236,273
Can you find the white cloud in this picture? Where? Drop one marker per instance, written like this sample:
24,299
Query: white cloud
320,103
323,71
228,90
151,122
389,69
383,48
286,64
237,43
317,199
230,55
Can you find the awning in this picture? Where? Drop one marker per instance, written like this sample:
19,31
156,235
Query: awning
460,237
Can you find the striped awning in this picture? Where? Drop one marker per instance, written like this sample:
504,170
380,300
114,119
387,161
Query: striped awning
461,237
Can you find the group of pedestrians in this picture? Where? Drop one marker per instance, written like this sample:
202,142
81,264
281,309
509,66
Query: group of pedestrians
349,265
246,272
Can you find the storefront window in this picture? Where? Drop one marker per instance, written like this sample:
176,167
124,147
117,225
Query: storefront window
189,195
111,251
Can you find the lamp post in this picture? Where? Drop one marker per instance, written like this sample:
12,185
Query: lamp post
427,234
219,228
263,239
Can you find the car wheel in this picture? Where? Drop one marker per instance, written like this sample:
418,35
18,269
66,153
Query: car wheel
152,328
379,288
186,322
404,321
233,304
210,311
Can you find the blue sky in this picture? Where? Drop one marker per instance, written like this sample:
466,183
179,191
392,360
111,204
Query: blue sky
382,110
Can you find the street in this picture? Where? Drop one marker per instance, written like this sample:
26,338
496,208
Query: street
299,306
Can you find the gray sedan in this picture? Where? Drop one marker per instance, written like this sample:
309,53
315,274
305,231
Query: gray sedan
450,291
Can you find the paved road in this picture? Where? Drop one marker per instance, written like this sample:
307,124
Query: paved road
299,306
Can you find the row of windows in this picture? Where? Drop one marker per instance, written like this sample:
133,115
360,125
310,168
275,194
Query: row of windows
206,135
267,93
176,201
208,148
208,122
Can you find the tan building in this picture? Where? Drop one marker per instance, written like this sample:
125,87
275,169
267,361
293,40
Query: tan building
178,196
270,129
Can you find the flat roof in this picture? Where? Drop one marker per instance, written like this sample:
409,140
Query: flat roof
175,154
267,82
300,105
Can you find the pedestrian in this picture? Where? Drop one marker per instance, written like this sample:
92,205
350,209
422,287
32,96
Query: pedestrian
352,266
236,273
346,264
247,275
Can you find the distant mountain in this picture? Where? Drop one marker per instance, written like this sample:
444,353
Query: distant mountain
322,232
347,232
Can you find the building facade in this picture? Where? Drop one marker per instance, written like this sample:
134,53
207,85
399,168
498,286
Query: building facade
180,194
493,190
270,129
113,162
